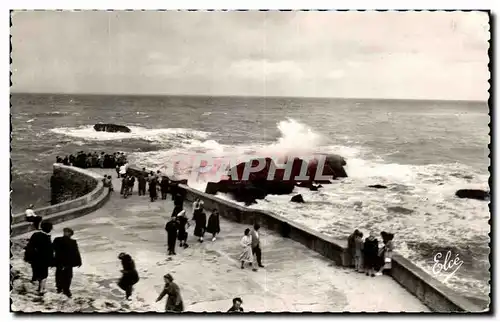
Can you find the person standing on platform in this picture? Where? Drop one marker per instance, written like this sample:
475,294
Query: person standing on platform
40,254
152,189
67,256
370,254
129,274
213,226
174,300
247,255
164,188
256,251
32,217
183,225
350,247
171,228
358,252
142,184
200,219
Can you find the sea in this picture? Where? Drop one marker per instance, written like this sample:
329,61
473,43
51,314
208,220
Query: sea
423,151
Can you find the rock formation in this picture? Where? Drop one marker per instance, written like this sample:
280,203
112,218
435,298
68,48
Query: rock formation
298,199
377,186
473,194
111,128
261,183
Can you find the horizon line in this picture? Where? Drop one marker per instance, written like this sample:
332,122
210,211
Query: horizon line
253,96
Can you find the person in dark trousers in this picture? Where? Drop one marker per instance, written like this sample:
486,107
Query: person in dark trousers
117,171
183,224
129,274
66,257
236,305
171,228
40,254
370,254
200,219
123,186
213,226
174,300
164,188
131,183
256,251
152,189
142,184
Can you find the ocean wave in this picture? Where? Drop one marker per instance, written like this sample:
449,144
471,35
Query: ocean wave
52,113
152,135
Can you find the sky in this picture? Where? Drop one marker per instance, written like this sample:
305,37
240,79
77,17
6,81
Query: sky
404,55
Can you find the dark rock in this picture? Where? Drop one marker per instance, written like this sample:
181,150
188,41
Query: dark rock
377,186
401,210
298,199
111,128
260,183
473,194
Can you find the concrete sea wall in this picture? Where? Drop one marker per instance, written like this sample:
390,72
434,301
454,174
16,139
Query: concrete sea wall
434,294
77,182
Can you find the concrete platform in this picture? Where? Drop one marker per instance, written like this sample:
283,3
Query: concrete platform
295,279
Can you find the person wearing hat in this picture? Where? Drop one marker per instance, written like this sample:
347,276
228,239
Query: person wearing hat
236,305
32,217
66,257
174,300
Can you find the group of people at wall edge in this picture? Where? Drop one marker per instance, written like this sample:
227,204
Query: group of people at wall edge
367,257
94,160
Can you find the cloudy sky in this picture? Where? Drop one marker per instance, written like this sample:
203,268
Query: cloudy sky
320,54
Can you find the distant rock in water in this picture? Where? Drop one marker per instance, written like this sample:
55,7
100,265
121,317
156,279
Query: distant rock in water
111,128
401,210
377,186
298,199
473,194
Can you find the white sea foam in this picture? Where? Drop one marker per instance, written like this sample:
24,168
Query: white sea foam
152,135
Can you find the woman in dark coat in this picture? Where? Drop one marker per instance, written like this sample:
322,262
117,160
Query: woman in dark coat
129,274
213,226
370,254
200,219
183,224
174,300
152,189
40,254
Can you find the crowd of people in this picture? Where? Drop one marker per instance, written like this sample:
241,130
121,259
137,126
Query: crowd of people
63,252
94,160
366,255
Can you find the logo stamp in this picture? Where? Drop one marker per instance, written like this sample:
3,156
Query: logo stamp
447,266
